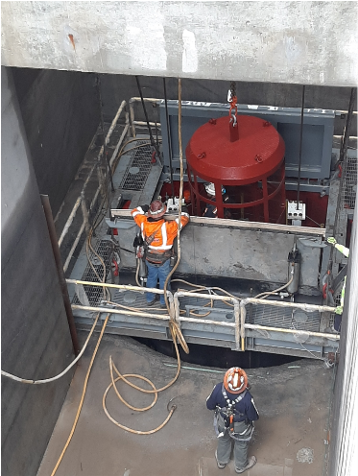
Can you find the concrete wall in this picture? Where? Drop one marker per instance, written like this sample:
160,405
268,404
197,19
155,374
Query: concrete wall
35,339
343,451
284,42
60,111
118,87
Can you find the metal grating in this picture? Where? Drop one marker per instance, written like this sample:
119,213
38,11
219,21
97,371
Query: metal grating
272,316
137,172
95,293
130,299
350,183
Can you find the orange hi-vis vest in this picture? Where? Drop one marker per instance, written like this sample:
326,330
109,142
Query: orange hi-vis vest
165,231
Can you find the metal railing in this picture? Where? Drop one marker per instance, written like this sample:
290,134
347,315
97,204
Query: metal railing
287,305
239,326
81,202
133,122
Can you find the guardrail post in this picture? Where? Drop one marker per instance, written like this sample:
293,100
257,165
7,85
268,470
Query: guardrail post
237,325
85,212
243,319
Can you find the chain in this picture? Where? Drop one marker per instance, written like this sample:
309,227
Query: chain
233,106
233,89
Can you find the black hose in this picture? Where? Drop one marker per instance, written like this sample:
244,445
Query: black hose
152,141
109,172
343,150
169,137
300,149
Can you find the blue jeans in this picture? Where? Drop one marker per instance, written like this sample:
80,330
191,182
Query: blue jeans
156,273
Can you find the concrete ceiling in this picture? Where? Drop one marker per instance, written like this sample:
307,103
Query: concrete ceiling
279,42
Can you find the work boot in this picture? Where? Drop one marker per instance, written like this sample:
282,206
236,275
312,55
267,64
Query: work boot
250,463
151,303
220,465
163,306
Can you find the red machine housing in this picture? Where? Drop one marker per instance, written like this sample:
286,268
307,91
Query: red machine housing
248,163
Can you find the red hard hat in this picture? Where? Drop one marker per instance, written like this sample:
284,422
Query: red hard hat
187,196
235,380
157,209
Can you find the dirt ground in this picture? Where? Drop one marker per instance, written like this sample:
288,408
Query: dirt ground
290,438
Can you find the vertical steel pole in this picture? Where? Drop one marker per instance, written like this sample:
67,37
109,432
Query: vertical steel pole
300,149
56,252
169,137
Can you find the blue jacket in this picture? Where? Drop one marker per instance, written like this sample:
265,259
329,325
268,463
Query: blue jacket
246,407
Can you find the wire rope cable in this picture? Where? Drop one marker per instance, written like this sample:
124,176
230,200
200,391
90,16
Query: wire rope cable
56,377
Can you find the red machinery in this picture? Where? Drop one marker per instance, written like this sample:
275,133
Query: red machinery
245,155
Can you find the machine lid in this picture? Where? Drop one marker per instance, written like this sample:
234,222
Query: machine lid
257,153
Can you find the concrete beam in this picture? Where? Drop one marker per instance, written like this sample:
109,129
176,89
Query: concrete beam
282,42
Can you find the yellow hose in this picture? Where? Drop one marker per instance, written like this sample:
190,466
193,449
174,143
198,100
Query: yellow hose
82,398
154,390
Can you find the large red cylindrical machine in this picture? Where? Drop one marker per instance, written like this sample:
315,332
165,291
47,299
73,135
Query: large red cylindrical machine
245,155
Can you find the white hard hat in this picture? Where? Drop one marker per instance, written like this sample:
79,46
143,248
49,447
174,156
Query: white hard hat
210,188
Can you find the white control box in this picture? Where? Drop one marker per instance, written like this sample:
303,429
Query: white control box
173,204
296,213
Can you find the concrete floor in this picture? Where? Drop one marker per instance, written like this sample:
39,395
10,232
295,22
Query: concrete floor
293,401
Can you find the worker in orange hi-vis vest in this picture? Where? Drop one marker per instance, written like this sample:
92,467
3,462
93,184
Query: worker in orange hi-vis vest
158,236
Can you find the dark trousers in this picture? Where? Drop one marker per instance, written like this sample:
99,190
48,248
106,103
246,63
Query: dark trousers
226,444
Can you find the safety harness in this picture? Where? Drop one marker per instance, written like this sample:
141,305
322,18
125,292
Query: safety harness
228,413
145,253
155,258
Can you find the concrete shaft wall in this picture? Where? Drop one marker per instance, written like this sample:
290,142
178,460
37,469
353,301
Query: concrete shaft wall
289,42
60,111
116,87
344,448
35,339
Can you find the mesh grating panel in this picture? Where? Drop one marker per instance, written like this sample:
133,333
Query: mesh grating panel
350,183
272,316
95,293
139,169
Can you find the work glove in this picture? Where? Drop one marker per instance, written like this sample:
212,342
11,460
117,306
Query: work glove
339,310
145,208
331,240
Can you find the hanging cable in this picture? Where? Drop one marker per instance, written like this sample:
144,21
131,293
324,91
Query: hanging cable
170,311
343,153
300,147
108,168
344,145
169,137
152,141
52,379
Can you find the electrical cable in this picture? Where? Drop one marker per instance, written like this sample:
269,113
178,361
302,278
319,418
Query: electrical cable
205,288
52,379
155,391
173,323
275,291
173,327
305,348
129,308
82,398
108,169
146,117
312,220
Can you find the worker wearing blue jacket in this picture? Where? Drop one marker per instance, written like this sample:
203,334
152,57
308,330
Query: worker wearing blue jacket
235,412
